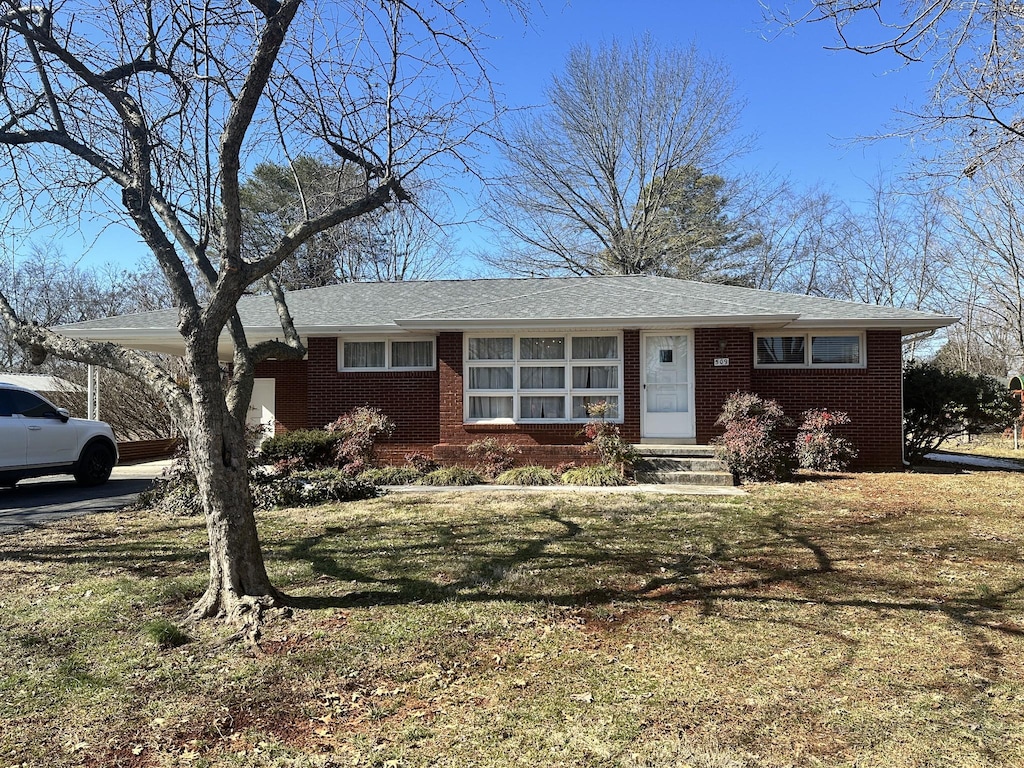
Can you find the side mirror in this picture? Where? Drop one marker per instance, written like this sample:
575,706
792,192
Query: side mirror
63,414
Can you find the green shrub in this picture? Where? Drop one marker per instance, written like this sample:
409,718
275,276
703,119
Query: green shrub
307,447
938,405
531,475
390,475
309,488
599,474
452,476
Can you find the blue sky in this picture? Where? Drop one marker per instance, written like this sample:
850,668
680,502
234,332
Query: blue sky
804,104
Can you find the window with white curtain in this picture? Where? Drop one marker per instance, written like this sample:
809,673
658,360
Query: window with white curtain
385,354
364,354
542,377
810,350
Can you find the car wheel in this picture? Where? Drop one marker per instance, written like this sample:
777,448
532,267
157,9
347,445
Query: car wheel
95,465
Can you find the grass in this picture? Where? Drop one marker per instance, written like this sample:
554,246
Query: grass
866,620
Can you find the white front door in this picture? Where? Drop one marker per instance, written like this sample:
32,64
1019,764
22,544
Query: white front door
262,406
667,385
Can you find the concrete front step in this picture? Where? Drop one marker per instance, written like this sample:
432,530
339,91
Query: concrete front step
681,464
685,478
649,449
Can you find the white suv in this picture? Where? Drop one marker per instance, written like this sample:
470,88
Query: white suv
38,438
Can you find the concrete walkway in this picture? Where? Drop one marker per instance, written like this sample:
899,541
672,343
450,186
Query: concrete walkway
655,488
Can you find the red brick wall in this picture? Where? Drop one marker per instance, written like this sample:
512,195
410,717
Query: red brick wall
713,384
290,392
631,386
427,406
873,397
409,398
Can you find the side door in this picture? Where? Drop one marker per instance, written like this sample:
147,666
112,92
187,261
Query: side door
262,406
50,440
13,434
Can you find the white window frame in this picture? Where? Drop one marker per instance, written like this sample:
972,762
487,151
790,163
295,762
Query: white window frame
388,366
808,337
568,392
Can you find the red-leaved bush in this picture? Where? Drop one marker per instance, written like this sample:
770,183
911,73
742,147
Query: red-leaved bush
357,432
605,439
817,445
752,445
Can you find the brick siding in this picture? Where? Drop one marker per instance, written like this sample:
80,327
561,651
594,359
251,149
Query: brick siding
713,384
873,397
291,392
427,406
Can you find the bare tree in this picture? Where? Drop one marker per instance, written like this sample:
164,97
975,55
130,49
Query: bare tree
588,177
799,232
990,218
157,107
893,252
972,49
47,288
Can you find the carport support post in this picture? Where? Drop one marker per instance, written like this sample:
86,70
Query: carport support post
92,405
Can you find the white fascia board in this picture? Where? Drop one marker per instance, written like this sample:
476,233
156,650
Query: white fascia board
906,325
604,323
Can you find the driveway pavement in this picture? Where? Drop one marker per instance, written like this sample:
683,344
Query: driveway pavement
42,500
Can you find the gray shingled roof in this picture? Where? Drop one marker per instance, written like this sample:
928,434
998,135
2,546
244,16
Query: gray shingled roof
634,301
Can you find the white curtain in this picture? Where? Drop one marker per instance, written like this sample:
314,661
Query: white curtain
364,354
490,407
542,378
542,349
490,349
595,348
412,354
542,407
595,377
490,378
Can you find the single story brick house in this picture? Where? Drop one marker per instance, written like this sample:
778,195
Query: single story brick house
455,361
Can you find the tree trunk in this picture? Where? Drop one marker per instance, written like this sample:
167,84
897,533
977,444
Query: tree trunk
239,590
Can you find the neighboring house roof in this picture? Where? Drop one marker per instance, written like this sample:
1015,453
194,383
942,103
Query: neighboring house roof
39,382
628,301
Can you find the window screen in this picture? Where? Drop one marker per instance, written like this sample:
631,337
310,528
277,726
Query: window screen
835,350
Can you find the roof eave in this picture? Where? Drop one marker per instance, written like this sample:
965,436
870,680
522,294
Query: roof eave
603,323
906,325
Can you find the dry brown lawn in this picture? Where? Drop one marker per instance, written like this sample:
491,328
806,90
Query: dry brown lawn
862,620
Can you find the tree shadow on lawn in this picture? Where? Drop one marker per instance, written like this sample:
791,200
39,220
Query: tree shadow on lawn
82,543
723,573
409,563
